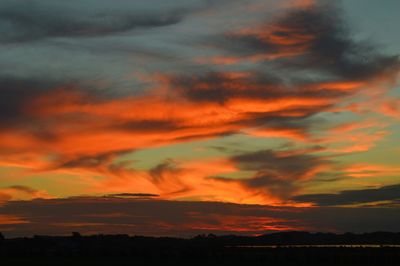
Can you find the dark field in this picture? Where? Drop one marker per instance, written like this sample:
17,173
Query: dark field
242,256
204,250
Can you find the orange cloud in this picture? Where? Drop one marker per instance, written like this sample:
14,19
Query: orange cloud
359,142
356,136
391,108
358,125
279,132
72,124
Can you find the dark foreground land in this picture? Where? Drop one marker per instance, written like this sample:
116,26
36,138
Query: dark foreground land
291,248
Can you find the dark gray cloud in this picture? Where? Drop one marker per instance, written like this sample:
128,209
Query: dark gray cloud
103,163
348,197
24,189
15,93
220,87
323,41
88,161
223,86
273,184
22,21
276,172
332,48
287,163
178,218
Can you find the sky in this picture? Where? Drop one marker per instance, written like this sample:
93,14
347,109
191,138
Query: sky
182,117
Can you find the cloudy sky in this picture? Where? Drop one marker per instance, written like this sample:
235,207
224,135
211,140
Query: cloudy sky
194,116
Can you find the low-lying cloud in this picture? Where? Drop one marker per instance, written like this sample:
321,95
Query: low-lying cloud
386,194
180,218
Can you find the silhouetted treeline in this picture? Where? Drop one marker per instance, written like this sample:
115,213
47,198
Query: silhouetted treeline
211,249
